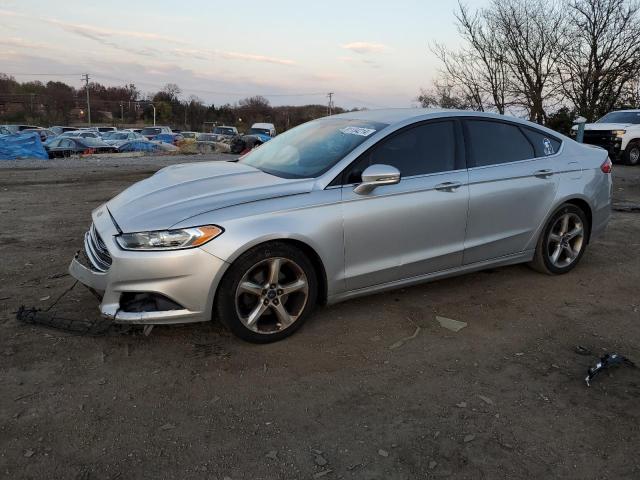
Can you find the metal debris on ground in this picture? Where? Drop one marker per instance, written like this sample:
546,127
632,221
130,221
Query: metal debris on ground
580,350
609,360
450,324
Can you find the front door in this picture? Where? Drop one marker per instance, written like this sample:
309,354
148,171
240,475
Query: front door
417,226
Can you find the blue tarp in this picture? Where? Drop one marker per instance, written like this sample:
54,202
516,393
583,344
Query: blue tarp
22,145
165,138
138,146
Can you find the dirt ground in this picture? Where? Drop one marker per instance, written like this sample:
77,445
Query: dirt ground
343,398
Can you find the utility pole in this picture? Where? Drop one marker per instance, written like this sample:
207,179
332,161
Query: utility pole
121,112
85,77
330,106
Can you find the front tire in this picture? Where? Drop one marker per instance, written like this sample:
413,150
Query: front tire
631,154
267,293
562,242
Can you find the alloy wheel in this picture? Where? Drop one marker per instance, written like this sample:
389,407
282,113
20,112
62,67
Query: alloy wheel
634,155
565,240
271,295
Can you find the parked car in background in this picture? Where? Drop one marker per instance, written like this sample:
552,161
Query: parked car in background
152,132
66,146
60,130
225,132
341,207
4,131
81,134
189,135
207,138
117,139
268,129
617,132
44,133
19,128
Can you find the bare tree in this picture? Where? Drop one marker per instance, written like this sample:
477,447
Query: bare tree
602,59
446,95
532,34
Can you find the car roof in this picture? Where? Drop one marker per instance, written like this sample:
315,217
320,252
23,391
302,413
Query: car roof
394,116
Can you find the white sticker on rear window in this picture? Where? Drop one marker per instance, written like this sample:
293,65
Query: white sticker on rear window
548,147
363,132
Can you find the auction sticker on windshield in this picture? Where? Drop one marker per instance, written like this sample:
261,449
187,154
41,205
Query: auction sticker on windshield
363,132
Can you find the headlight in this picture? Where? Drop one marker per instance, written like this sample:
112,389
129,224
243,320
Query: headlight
619,133
169,239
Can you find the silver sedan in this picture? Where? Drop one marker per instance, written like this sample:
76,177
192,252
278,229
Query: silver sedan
341,207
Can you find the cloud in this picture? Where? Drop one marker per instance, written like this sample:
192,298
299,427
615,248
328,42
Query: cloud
21,43
207,55
365,47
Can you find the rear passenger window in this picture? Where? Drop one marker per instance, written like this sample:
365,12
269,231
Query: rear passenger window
427,148
493,143
543,144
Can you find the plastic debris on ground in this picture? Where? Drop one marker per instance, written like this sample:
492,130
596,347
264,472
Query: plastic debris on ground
22,145
450,324
609,360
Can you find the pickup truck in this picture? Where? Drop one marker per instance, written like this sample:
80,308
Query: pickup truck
617,132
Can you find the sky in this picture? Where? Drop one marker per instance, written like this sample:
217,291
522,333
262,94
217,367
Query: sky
372,54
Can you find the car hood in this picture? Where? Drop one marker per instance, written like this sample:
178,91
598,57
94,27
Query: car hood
179,192
606,126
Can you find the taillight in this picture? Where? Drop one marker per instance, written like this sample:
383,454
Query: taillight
607,166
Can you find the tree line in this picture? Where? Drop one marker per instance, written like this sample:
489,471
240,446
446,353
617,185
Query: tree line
548,60
56,103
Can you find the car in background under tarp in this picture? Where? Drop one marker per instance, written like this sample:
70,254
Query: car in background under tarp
67,146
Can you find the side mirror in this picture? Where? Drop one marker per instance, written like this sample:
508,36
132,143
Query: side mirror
375,176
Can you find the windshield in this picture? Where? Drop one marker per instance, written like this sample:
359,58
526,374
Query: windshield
150,131
116,136
223,131
189,134
311,149
621,117
205,137
263,131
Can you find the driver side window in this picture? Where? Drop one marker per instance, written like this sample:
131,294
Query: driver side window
421,150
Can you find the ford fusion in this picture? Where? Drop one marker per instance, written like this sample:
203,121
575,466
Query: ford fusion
341,207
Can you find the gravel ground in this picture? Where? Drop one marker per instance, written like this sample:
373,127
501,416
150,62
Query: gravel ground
373,388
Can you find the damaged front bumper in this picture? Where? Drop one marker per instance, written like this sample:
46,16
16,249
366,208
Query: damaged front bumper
147,287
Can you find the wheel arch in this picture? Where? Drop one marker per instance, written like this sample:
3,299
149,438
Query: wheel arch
300,244
579,201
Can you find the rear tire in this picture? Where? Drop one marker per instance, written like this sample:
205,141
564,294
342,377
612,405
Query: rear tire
267,293
562,242
631,155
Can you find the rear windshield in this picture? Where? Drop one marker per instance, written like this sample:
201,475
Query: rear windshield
311,149
151,131
223,131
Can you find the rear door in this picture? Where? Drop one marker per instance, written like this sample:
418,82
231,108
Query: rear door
512,186
414,227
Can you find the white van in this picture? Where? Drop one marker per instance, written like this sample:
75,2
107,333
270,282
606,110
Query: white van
263,128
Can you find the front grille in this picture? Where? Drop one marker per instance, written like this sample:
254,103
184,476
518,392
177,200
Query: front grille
96,250
603,138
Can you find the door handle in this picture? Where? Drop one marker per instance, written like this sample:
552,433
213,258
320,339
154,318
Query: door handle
546,173
448,186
